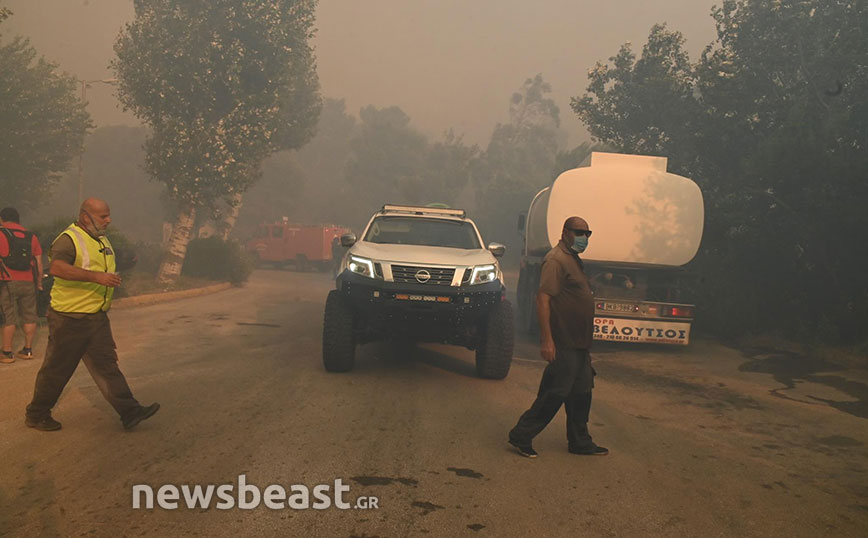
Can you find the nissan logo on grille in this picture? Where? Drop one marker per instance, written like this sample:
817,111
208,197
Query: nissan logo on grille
429,276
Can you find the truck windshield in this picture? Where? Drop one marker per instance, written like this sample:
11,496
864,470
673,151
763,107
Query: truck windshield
419,231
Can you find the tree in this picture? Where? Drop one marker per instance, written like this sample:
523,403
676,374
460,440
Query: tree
644,105
573,158
386,164
795,115
321,165
44,122
113,163
386,161
391,162
519,161
772,125
223,84
450,166
350,168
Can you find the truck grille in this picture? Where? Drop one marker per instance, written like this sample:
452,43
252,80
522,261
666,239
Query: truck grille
439,276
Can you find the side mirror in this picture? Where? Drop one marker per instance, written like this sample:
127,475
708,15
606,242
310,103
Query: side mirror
348,240
497,249
522,222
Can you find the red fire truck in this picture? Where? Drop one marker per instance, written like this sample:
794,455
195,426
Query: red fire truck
302,245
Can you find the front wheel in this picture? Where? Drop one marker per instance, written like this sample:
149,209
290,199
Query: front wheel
494,354
338,337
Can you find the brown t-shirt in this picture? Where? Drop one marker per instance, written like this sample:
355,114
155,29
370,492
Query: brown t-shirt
572,305
63,249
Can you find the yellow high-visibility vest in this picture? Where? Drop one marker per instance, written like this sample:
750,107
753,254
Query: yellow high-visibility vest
93,255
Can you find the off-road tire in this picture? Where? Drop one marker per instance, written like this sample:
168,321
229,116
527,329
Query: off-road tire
494,353
338,337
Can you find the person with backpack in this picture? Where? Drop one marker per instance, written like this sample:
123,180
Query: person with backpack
20,278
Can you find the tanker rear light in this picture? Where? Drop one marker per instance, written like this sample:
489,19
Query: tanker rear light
644,309
679,311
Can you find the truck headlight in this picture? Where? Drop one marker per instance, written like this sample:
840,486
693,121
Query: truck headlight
483,274
361,266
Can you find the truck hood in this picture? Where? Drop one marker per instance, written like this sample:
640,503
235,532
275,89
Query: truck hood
422,255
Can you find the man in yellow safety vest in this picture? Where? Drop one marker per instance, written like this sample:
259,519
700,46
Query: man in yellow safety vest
82,263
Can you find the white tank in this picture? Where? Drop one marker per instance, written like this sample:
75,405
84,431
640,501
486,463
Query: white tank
638,212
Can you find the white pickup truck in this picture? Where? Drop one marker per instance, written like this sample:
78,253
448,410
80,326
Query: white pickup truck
420,274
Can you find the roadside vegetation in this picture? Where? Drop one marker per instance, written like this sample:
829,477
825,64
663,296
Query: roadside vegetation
771,122
209,261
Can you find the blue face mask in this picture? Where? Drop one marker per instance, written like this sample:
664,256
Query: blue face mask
580,243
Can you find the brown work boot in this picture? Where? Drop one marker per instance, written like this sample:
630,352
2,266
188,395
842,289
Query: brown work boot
592,450
46,424
132,420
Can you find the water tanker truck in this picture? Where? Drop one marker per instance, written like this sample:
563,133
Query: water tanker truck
646,223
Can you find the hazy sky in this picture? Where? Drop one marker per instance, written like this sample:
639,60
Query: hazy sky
446,63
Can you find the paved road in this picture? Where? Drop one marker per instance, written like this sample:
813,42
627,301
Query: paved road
706,441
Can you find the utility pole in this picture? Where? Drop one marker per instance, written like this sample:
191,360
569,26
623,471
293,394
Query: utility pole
85,84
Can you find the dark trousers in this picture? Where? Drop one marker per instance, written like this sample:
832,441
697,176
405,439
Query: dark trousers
566,381
71,340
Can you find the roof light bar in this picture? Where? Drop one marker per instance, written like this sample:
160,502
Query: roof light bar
421,210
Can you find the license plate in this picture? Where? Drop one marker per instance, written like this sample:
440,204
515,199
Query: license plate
618,307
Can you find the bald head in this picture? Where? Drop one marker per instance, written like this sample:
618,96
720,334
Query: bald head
94,216
576,223
93,205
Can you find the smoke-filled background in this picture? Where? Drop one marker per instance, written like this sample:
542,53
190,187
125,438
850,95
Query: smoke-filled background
480,104
449,66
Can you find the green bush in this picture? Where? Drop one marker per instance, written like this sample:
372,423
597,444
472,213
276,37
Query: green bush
150,255
215,259
125,251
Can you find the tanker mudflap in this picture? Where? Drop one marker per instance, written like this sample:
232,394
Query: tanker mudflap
641,331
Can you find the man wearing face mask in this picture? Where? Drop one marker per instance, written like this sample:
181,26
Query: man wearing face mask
83,265
565,309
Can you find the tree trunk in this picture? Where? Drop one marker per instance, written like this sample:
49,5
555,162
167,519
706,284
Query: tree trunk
176,250
225,226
